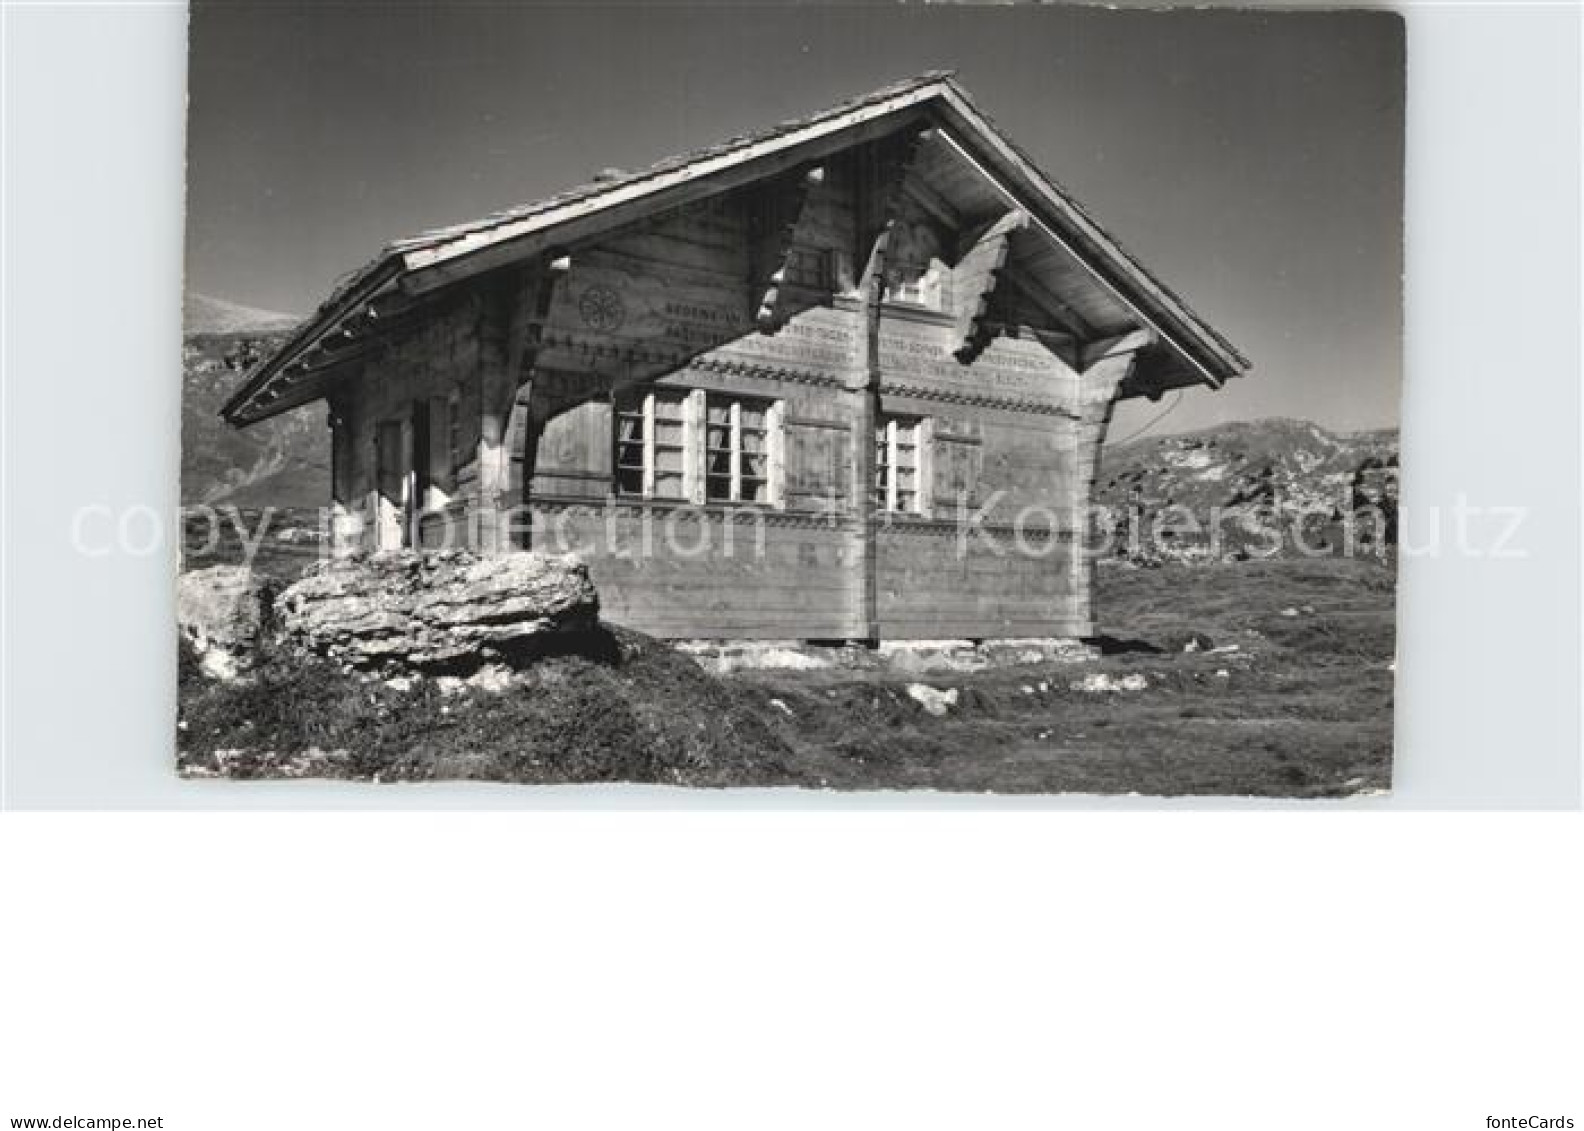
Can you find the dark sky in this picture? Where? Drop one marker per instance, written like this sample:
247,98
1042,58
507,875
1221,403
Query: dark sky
1252,160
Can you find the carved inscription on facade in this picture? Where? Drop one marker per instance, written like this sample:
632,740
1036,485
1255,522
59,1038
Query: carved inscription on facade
698,323
818,339
911,353
917,354
620,315
617,304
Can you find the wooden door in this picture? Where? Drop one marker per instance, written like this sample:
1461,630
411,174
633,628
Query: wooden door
390,501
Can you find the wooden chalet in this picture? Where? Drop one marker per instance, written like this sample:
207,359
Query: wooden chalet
846,378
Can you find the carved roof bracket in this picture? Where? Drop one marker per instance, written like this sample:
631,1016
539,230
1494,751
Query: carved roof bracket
885,178
1117,345
786,209
535,297
519,309
974,283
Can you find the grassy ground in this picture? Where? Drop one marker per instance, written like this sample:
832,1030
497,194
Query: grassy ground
1302,707
285,541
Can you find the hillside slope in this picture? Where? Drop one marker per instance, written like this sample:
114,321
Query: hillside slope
282,462
1311,476
205,314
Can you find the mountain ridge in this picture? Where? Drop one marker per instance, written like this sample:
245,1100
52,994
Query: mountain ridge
280,462
206,314
1261,423
1313,476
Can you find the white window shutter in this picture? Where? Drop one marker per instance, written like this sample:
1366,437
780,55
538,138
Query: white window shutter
649,446
925,475
891,466
694,456
736,451
775,455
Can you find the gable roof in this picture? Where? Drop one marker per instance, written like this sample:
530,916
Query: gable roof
442,255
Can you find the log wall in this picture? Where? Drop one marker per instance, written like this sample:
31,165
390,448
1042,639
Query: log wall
428,375
521,376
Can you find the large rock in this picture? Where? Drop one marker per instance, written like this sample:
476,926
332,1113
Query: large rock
451,610
222,611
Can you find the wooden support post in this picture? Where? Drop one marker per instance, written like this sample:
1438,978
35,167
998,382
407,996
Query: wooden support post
346,516
880,188
863,391
514,320
1099,383
525,420
488,534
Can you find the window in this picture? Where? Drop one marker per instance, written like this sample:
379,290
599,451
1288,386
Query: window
811,268
392,483
698,447
436,420
926,289
736,450
902,464
650,445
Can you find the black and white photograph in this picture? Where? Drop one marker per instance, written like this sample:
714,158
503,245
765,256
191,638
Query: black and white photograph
613,395
613,566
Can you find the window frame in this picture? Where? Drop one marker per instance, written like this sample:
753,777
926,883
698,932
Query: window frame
929,290
695,451
889,444
735,450
648,444
812,268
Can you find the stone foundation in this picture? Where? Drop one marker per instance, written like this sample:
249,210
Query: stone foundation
722,657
